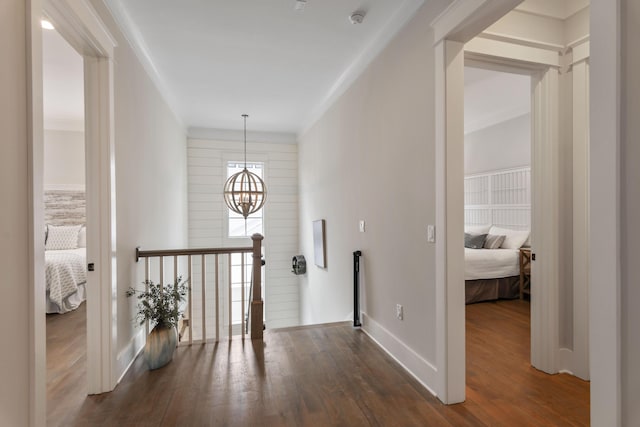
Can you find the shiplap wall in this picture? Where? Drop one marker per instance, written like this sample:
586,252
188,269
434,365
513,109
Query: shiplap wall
207,214
501,198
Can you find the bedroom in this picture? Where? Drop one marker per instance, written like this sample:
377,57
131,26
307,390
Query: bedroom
65,216
545,197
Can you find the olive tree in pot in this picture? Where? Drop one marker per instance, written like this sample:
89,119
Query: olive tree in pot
160,305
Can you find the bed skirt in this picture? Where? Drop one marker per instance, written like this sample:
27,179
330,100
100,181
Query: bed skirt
70,303
491,289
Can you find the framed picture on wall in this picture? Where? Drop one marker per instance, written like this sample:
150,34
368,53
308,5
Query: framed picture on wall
319,255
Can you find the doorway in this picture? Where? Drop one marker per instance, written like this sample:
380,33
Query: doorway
65,222
78,24
455,46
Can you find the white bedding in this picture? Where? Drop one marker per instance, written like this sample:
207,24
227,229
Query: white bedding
65,271
490,263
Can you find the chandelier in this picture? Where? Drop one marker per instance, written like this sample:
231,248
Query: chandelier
245,192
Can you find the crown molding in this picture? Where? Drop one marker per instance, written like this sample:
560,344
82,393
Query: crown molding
141,51
362,61
238,135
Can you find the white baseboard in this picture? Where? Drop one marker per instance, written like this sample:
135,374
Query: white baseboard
565,361
128,354
417,366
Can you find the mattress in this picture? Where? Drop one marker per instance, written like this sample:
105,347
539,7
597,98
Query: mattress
491,263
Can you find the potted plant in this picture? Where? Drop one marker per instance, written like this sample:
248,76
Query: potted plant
161,306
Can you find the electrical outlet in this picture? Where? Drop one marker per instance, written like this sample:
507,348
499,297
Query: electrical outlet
399,311
361,225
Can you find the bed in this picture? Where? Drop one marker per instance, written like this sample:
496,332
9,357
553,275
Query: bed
65,268
492,270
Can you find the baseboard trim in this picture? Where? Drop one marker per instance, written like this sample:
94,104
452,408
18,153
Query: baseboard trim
415,365
129,353
565,361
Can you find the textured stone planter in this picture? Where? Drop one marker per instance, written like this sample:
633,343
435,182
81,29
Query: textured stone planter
161,343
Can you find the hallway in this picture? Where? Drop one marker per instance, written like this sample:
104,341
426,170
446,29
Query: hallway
334,375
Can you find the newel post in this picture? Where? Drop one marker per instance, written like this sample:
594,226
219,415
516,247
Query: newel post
256,298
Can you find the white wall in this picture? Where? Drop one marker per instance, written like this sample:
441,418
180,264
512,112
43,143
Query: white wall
502,146
207,214
630,227
151,184
371,157
63,157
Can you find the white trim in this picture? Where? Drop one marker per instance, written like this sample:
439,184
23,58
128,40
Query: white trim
452,17
580,52
80,24
604,206
537,8
565,359
521,41
581,241
449,149
140,49
524,54
450,312
130,352
101,230
545,150
578,41
464,19
237,135
417,366
37,380
377,44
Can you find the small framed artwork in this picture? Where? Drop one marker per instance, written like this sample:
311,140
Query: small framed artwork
319,255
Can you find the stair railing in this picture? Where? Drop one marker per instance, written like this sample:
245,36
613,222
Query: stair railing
204,305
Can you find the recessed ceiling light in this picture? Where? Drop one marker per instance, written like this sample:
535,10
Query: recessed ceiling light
46,24
300,4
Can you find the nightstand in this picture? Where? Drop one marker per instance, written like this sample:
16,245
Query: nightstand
525,272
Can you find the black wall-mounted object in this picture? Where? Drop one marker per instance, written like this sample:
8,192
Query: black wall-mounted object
356,289
298,265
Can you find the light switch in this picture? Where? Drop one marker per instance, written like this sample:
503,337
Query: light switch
431,233
362,225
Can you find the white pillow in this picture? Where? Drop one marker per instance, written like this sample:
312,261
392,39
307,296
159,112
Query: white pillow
477,229
82,237
515,238
62,237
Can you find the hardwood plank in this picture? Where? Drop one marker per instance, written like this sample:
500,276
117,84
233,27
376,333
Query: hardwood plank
328,375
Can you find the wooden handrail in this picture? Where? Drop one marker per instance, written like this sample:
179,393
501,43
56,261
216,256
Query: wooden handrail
197,251
257,305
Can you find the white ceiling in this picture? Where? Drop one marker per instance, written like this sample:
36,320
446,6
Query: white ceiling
63,90
217,59
491,97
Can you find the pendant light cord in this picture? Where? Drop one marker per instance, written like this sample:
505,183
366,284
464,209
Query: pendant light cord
245,140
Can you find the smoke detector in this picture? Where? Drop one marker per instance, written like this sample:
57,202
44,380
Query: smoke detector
356,17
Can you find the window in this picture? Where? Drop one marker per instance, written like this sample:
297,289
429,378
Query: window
237,225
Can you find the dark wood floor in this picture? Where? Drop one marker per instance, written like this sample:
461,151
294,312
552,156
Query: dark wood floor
334,375
66,363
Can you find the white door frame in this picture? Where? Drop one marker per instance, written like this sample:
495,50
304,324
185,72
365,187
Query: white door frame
460,22
80,25
544,67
